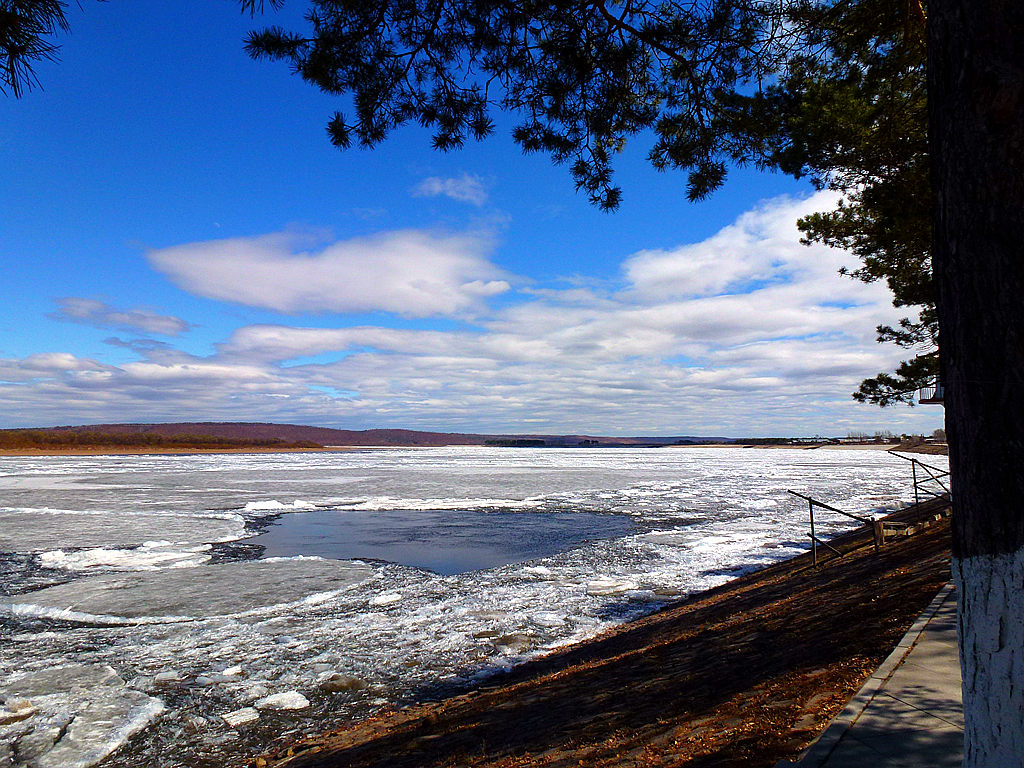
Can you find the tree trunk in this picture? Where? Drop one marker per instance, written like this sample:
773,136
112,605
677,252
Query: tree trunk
976,132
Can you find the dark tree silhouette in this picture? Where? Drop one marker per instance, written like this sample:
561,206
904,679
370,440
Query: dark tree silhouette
27,28
976,125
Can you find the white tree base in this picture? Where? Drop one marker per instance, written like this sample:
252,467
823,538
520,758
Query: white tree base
991,616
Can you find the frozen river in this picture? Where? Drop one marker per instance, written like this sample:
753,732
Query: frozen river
143,598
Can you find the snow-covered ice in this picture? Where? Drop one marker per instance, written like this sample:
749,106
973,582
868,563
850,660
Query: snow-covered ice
139,577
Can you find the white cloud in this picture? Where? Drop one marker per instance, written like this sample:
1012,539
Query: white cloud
465,189
760,247
283,343
45,366
101,315
746,333
410,273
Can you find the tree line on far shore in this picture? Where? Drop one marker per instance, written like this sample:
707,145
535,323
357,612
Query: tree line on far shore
70,439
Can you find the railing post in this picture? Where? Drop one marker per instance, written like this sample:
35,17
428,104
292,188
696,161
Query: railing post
931,475
814,539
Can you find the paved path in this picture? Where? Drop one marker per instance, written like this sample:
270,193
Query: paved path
909,714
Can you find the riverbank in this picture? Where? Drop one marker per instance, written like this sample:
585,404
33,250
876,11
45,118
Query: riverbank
933,449
742,675
172,451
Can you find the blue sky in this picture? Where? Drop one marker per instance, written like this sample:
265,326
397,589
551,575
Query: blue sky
179,241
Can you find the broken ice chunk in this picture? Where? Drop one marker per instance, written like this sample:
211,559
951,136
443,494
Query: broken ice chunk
287,700
538,570
12,713
240,716
101,726
609,586
167,677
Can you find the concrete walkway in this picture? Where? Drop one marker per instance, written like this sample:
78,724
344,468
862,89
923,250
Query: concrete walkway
909,714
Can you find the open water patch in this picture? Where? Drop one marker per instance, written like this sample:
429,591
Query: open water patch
445,541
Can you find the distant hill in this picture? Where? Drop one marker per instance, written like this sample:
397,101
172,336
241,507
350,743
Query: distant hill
287,433
265,434
68,439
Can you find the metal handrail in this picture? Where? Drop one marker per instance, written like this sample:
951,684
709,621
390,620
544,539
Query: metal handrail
815,541
935,475
815,502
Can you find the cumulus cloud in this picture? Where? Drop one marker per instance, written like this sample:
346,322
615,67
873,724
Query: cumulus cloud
465,189
760,248
101,315
411,273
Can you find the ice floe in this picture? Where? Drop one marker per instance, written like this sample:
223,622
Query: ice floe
276,506
80,714
42,530
151,555
214,590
